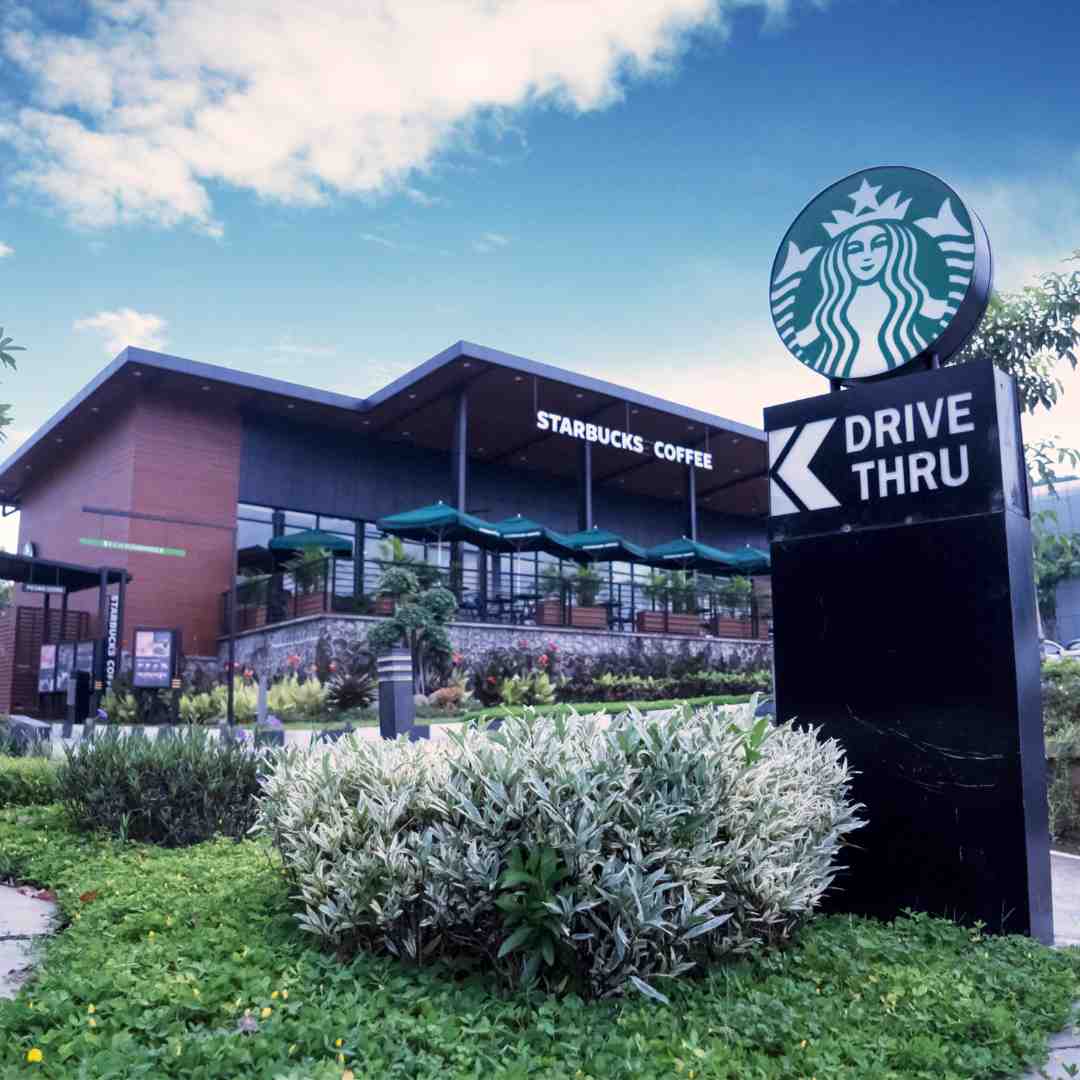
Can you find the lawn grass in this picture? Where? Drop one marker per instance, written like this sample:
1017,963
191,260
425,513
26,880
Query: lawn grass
188,964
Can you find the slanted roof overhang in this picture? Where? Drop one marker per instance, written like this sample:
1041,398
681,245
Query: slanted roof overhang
30,570
504,393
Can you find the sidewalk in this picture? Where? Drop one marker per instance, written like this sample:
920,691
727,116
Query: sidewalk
24,920
1065,1046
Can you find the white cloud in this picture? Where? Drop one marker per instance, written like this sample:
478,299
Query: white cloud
126,327
1033,223
489,242
291,348
6,250
374,238
139,118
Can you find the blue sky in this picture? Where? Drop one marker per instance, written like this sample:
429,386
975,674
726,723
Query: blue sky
330,195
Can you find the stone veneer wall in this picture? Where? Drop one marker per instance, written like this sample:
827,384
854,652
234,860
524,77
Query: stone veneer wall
301,636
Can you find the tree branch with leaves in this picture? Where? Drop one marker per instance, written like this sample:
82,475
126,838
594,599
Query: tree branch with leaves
7,347
1029,334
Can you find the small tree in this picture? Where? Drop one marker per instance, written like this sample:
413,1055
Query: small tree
1029,334
6,349
419,622
1057,559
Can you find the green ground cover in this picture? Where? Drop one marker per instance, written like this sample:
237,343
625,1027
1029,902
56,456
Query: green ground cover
188,963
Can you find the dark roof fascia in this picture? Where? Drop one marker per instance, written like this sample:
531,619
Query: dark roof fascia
181,366
468,349
282,388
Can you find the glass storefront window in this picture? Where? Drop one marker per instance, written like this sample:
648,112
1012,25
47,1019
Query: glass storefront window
337,525
298,521
253,533
254,513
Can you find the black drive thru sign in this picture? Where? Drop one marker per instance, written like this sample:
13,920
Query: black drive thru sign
916,449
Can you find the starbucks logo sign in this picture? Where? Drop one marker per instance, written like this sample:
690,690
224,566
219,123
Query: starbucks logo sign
884,267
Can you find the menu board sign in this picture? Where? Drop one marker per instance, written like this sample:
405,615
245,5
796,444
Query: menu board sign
84,657
154,657
65,664
47,669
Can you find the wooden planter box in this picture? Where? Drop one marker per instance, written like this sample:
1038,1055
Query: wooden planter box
732,626
385,605
310,604
549,612
659,622
589,618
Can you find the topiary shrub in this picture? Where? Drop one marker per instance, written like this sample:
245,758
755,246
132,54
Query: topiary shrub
561,852
27,781
171,791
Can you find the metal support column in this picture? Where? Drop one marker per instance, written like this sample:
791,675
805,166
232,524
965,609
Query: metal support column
691,503
585,501
459,481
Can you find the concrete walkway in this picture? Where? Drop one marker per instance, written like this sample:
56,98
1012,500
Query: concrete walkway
24,921
1065,1046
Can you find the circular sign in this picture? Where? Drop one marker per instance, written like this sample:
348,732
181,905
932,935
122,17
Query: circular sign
882,268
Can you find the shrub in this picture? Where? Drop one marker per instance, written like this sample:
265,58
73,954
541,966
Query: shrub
27,781
533,688
292,699
561,852
207,707
347,691
19,742
172,791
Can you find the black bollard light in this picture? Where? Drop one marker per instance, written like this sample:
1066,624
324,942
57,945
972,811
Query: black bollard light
397,707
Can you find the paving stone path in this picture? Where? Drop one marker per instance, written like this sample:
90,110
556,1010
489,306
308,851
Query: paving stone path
24,922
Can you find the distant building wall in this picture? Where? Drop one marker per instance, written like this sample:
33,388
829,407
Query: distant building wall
1065,506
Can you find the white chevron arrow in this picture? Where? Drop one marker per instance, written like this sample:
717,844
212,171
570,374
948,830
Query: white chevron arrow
795,471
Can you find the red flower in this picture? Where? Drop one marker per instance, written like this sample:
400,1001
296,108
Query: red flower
543,660
491,680
293,660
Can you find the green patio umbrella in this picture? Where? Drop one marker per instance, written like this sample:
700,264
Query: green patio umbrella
311,538
693,555
524,534
441,523
602,545
757,561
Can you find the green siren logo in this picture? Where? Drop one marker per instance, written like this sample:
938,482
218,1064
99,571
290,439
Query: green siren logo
882,267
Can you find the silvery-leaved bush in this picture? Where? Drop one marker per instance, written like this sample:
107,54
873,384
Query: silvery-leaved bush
560,850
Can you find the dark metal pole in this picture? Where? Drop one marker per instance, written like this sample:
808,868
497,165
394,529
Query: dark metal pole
691,503
121,594
585,501
230,709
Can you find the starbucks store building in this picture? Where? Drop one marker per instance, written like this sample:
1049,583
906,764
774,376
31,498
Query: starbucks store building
193,478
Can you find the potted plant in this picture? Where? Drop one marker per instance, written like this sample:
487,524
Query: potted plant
310,574
550,608
586,613
732,618
675,594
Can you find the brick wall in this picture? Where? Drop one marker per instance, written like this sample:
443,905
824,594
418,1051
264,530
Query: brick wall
163,455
